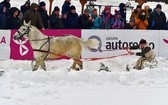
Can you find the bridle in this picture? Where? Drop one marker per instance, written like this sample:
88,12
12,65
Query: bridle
26,32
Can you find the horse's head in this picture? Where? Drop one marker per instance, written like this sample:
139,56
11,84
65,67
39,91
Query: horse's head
22,31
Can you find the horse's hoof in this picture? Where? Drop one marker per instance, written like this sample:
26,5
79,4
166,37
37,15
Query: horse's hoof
77,69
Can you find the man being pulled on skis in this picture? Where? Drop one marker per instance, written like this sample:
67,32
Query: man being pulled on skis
146,54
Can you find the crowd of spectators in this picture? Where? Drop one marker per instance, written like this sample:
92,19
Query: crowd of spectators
68,18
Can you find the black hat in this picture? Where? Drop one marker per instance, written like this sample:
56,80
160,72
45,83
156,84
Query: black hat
42,4
158,6
72,7
138,6
142,41
56,8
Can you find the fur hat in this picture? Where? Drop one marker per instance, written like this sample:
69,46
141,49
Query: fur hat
142,41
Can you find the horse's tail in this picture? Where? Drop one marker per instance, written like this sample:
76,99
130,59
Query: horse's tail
91,43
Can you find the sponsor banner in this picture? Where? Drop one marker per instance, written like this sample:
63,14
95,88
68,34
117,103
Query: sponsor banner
5,37
4,44
112,42
163,44
4,52
22,50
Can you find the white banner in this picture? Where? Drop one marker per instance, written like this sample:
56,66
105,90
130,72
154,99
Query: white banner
112,42
5,36
163,41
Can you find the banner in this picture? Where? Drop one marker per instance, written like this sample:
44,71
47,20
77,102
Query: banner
163,42
5,44
22,50
112,42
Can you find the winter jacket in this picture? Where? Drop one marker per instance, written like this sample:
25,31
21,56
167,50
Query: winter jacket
23,8
96,23
135,14
44,17
65,7
146,52
2,18
122,11
127,26
118,24
141,22
159,20
71,21
84,22
56,22
6,4
34,17
107,20
13,22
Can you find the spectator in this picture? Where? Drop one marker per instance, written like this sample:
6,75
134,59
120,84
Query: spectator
118,22
56,20
66,6
13,21
25,7
71,19
43,14
2,17
159,18
131,24
141,22
122,10
85,21
107,18
33,16
150,19
135,14
6,3
97,20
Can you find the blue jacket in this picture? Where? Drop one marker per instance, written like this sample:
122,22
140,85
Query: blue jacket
2,18
122,11
65,7
44,17
71,21
56,22
96,23
159,20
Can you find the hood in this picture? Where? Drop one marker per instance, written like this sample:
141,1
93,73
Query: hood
121,5
1,8
12,10
33,5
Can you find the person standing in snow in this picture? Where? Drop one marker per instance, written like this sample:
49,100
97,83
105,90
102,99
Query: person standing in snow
146,54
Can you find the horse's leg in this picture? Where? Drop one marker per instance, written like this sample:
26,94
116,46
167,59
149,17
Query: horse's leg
39,62
79,63
42,64
36,66
73,66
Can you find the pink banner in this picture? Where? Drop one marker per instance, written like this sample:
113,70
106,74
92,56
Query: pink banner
22,50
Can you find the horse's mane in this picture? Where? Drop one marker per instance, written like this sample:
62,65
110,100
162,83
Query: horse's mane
35,33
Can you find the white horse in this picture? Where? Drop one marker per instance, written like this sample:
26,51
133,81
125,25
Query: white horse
53,47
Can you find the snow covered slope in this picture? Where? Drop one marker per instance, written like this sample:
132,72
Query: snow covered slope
20,86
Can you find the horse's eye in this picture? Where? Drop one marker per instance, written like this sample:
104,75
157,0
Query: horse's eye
24,29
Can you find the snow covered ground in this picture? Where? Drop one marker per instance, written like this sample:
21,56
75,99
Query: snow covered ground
20,86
